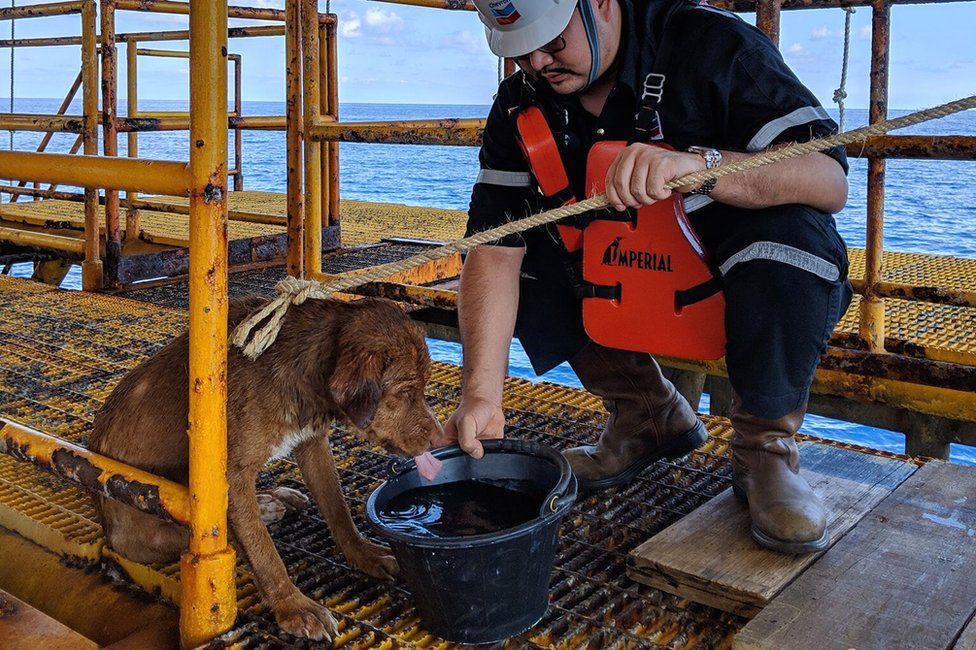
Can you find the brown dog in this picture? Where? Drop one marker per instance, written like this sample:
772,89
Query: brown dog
363,361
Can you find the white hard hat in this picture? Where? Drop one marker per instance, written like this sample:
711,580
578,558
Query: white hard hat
517,27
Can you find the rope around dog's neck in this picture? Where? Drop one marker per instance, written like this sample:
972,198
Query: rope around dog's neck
254,337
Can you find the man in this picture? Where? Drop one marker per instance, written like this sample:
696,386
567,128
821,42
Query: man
783,266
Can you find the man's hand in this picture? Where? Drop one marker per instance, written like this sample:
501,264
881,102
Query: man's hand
639,173
474,420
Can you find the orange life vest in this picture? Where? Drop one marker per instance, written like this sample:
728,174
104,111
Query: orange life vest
647,285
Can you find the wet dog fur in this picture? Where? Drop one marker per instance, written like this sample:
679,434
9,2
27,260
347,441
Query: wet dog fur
364,362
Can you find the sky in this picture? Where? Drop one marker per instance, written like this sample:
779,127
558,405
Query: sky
390,53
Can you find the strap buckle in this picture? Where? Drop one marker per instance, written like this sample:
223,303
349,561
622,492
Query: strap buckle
653,87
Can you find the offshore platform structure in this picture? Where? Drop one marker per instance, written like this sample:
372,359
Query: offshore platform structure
161,245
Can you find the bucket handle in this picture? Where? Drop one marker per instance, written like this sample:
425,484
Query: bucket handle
562,494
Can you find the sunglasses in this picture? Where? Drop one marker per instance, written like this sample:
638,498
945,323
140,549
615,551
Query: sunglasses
557,44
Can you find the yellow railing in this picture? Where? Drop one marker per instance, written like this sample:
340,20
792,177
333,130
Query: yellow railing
208,598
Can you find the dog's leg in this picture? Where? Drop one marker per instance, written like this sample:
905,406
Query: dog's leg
139,536
319,471
295,612
277,503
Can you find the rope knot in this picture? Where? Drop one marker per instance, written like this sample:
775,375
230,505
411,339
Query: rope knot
839,95
298,291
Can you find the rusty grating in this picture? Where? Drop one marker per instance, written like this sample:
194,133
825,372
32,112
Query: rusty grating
75,347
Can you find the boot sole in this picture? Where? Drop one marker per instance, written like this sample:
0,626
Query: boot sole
779,545
680,446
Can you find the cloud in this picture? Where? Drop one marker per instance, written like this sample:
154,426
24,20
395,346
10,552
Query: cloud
382,21
351,26
822,33
465,41
864,33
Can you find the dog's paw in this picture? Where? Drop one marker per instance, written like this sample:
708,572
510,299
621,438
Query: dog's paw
276,504
272,509
292,499
374,560
301,616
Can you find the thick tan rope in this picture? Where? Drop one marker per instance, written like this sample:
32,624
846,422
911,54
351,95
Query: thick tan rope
258,331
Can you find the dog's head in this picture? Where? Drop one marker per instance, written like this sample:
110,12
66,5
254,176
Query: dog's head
381,369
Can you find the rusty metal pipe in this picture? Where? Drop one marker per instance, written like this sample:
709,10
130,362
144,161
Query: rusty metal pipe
313,164
250,31
941,147
767,18
183,8
110,142
871,325
463,5
456,132
39,11
325,148
179,121
129,485
91,269
295,129
42,123
132,108
332,108
238,171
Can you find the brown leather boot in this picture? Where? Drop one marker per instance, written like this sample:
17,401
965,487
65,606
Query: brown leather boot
787,516
649,420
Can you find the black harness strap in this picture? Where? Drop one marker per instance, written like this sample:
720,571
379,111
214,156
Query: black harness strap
697,293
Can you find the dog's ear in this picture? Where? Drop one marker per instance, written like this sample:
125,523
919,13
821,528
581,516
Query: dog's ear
356,385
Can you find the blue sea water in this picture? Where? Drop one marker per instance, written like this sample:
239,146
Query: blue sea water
928,205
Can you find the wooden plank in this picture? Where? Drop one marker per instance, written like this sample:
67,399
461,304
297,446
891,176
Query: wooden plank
23,627
709,556
902,578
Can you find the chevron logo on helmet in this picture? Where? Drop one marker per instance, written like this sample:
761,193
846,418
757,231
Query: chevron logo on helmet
505,12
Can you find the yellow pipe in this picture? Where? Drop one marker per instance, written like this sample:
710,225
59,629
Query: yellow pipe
43,240
91,267
150,176
313,151
208,604
38,11
169,54
70,460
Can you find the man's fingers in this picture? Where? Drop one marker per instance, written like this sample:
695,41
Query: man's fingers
612,197
621,180
467,429
638,183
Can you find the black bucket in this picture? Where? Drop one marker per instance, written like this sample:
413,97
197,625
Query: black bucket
482,588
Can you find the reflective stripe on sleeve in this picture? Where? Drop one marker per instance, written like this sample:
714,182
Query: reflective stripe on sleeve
765,136
768,250
507,179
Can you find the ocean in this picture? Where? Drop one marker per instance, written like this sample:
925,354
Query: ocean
928,205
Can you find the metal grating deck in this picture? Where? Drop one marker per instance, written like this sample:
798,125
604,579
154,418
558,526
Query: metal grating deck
63,352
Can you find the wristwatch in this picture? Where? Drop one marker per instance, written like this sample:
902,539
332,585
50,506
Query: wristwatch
713,158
